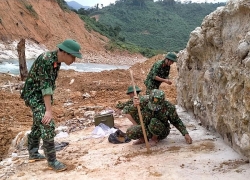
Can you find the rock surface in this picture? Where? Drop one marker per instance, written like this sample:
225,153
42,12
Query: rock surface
213,81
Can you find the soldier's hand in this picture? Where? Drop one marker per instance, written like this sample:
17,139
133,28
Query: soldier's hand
136,101
118,112
168,81
188,139
47,117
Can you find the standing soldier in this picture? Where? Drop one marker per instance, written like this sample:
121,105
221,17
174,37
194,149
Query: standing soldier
38,95
159,73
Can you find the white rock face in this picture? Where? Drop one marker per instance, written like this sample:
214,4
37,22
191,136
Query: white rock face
214,74
9,50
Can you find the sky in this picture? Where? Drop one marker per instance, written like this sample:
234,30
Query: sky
92,3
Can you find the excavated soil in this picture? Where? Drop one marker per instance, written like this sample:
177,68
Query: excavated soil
93,158
105,89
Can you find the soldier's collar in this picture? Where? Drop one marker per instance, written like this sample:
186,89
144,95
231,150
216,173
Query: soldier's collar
55,59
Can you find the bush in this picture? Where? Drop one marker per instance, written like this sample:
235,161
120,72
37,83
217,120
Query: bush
31,10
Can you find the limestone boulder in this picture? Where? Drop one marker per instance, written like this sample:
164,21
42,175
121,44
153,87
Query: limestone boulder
214,74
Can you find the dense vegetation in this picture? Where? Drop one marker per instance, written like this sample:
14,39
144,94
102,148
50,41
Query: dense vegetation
164,25
145,26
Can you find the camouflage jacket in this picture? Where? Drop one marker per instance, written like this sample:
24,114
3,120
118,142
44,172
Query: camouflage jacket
157,70
121,105
127,104
41,78
167,114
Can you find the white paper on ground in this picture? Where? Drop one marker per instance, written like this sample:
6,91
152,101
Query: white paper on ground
102,130
62,135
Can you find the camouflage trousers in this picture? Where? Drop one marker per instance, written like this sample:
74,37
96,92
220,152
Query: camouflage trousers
155,127
136,118
38,129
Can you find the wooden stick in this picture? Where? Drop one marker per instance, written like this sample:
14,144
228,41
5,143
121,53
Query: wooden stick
140,116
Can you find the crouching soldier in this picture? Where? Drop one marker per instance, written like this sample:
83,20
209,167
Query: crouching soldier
157,114
122,106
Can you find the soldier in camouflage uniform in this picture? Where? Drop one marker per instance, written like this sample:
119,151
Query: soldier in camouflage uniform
38,95
159,73
121,106
157,113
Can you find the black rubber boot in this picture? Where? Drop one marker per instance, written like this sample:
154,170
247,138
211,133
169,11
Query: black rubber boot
33,146
50,152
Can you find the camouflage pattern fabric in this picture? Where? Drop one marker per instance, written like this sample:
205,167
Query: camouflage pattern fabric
157,70
155,122
133,114
156,98
121,105
127,104
40,82
155,127
38,129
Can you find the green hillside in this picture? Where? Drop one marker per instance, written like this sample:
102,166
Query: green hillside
162,25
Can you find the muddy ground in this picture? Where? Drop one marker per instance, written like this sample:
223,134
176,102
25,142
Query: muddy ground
95,158
106,88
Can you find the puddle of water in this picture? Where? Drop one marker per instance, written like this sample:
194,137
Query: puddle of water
12,66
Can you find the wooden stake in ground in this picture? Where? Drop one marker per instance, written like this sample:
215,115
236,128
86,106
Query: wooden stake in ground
22,60
140,116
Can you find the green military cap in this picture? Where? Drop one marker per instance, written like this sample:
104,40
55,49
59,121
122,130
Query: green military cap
72,47
131,89
171,56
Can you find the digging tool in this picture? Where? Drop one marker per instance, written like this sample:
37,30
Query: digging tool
140,116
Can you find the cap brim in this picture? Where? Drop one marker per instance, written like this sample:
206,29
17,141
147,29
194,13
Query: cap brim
78,55
67,50
171,59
